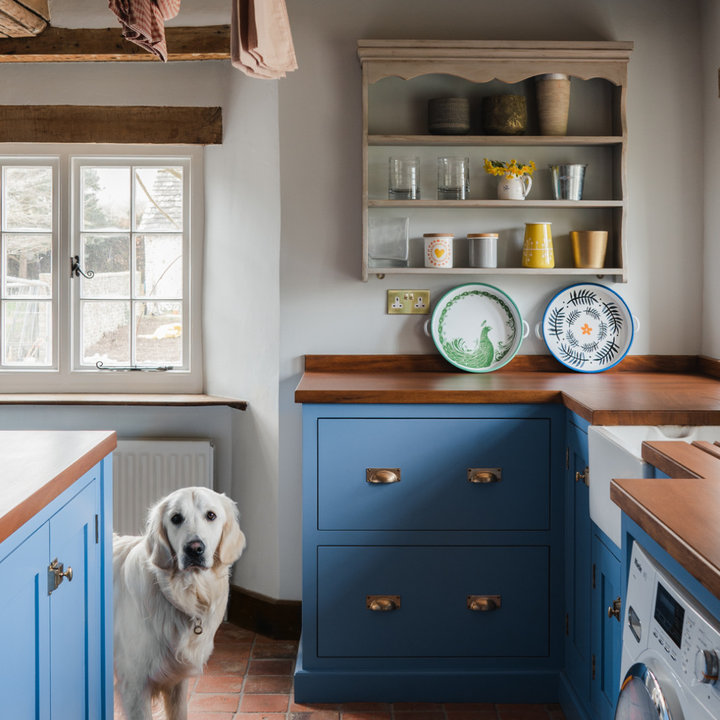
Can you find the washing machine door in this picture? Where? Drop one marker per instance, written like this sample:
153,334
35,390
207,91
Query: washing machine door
642,697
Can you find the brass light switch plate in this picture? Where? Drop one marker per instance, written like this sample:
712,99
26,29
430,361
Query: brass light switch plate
408,302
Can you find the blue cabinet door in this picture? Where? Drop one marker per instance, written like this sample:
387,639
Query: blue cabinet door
24,650
578,566
75,645
607,630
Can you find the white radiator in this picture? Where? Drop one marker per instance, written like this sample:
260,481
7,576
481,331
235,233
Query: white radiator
146,470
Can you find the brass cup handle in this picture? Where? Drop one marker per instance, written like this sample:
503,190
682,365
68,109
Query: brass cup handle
383,603
484,476
484,603
615,608
382,476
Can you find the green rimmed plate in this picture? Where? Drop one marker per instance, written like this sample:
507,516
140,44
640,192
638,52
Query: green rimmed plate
477,327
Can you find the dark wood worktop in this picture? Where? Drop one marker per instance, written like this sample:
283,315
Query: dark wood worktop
680,512
39,465
641,391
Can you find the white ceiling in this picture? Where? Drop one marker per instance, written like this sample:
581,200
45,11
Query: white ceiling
95,13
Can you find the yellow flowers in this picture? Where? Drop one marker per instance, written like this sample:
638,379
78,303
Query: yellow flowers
509,169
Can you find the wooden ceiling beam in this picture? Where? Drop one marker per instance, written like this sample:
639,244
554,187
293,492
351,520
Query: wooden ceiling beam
172,125
108,45
23,18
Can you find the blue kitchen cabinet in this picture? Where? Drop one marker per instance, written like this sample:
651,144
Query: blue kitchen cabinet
578,564
606,627
432,553
56,654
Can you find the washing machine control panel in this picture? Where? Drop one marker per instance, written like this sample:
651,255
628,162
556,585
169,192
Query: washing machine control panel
675,627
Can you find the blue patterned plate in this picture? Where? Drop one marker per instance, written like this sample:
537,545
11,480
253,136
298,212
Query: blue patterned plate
477,327
588,327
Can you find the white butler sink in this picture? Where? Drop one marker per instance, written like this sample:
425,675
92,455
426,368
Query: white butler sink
616,452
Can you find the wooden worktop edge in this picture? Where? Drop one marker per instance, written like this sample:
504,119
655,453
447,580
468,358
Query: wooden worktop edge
17,516
697,565
520,363
679,459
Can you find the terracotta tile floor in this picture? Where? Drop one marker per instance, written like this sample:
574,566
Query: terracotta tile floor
249,677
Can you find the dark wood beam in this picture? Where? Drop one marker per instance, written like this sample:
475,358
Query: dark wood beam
108,45
23,18
111,124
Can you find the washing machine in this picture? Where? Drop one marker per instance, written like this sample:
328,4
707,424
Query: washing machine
670,649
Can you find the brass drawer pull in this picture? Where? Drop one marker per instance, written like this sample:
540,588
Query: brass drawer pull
382,476
484,476
382,603
484,603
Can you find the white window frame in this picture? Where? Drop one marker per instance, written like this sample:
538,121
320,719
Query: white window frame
66,375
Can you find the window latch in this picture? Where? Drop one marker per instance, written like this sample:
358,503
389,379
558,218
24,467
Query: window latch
134,368
76,270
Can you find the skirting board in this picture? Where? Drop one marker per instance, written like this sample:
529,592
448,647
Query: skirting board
278,619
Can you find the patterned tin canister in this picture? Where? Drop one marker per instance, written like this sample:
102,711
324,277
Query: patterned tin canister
438,250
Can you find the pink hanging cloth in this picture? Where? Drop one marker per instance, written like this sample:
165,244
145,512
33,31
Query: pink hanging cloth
260,41
143,22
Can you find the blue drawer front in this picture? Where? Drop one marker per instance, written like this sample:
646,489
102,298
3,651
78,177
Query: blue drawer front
433,456
433,619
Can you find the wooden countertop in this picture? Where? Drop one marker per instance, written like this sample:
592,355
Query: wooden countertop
36,466
646,391
681,512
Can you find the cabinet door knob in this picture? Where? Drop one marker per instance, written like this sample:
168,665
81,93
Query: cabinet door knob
484,476
382,603
615,608
585,477
484,603
56,574
382,476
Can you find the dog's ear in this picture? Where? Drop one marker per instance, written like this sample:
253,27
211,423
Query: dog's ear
156,539
232,542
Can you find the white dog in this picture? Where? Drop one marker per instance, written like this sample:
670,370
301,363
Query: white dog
170,592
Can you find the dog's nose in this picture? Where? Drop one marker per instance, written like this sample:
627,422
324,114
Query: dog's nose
195,548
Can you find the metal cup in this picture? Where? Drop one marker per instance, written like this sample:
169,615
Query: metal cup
567,181
589,247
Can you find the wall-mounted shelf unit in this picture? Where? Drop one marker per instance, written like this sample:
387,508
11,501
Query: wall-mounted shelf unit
400,76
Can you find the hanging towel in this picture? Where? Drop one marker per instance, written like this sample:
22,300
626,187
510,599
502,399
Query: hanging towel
143,22
260,41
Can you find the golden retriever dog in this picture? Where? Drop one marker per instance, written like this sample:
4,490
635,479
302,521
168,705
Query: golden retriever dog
170,592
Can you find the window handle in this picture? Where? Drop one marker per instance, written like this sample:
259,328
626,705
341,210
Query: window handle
76,270
138,368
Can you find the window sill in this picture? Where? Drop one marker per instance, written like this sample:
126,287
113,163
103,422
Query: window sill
132,399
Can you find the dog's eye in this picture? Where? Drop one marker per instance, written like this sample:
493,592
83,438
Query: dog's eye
176,519
210,515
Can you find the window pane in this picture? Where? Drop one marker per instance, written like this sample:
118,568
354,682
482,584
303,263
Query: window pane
105,333
28,265
27,198
159,333
108,257
105,193
159,199
158,266
27,337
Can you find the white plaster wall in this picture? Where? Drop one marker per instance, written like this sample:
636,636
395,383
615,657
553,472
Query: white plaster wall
299,138
325,308
711,105
241,310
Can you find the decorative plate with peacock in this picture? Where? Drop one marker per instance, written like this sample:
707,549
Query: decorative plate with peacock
588,327
477,327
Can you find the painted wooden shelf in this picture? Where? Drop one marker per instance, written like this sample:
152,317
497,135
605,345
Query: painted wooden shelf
400,76
494,140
